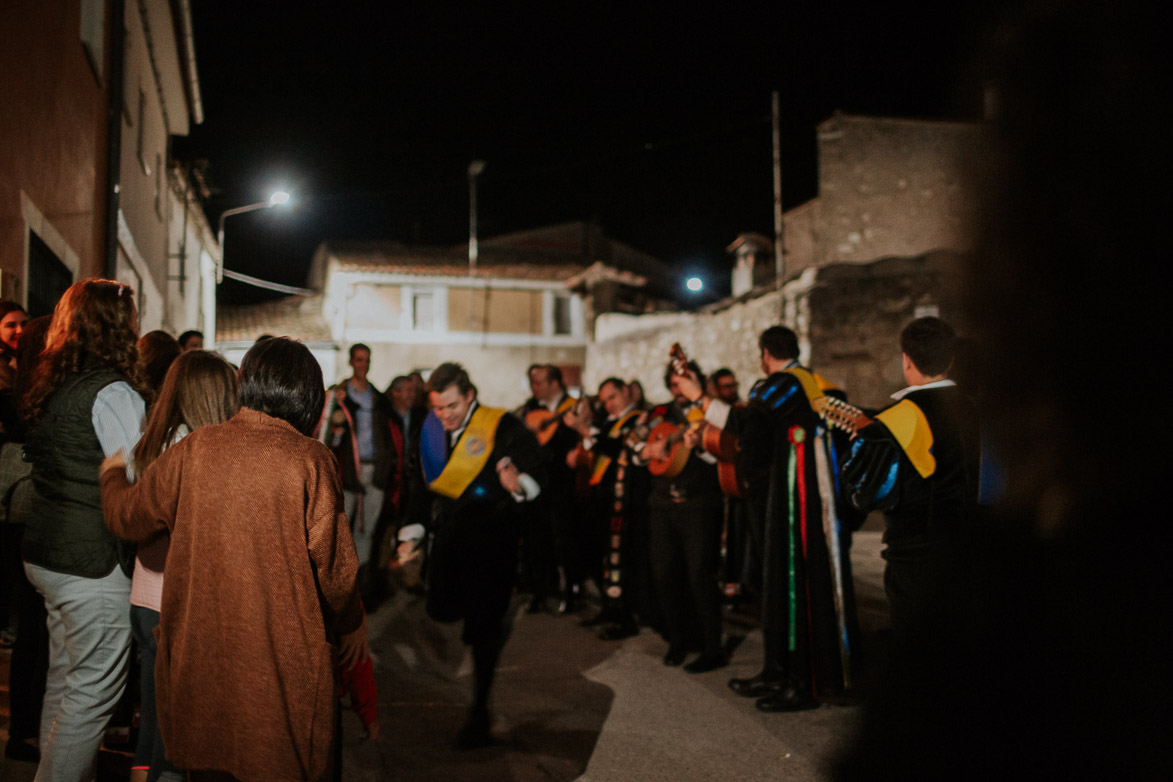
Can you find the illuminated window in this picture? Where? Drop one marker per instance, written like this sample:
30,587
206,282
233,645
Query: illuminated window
423,311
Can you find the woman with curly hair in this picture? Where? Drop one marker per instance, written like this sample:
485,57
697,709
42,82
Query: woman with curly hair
84,402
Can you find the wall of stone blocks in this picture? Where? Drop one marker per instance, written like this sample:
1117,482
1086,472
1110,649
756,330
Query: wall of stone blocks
848,319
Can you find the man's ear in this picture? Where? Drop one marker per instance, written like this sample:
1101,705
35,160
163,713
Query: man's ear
906,362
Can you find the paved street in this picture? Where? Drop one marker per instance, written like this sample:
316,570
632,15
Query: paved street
568,706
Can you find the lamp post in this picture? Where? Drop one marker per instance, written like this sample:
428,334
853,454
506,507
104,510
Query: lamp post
278,198
217,277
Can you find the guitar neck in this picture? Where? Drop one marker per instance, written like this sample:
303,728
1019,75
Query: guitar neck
840,415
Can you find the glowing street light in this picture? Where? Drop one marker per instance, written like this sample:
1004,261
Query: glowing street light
695,284
278,198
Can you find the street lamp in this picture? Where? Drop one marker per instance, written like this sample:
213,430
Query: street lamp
209,289
277,199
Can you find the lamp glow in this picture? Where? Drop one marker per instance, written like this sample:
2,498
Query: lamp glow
695,284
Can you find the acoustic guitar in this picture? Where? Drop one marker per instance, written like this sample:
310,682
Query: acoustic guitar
543,423
669,433
840,415
718,442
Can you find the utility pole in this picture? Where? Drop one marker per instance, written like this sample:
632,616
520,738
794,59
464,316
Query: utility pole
475,169
779,262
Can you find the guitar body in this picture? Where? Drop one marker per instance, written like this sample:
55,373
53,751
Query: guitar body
673,463
724,446
543,424
731,483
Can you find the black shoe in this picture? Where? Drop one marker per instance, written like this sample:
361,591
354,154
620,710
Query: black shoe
618,632
706,663
475,731
788,699
536,606
756,687
601,618
674,657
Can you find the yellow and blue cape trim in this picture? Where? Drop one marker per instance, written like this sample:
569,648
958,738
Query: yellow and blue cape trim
908,425
451,475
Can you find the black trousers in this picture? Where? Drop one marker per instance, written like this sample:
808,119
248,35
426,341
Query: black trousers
472,565
685,543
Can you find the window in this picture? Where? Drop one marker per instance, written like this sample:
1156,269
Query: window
562,322
423,312
93,33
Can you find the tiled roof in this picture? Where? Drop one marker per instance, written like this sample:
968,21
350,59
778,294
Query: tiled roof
451,262
299,317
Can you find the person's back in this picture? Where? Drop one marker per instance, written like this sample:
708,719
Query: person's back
940,507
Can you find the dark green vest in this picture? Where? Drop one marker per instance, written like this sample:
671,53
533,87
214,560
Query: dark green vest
66,532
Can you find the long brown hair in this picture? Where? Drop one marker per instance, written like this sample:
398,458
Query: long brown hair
95,320
199,389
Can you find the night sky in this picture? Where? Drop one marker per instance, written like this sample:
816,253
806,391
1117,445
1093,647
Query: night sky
651,117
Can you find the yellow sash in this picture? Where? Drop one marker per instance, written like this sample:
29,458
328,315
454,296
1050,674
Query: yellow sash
603,462
470,453
810,382
908,425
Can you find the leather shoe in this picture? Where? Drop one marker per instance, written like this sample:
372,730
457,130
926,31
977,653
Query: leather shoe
788,699
618,632
601,618
706,663
536,606
756,687
674,657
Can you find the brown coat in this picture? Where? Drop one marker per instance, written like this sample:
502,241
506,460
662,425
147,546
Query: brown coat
259,547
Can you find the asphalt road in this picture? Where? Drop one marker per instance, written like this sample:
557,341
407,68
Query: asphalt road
568,706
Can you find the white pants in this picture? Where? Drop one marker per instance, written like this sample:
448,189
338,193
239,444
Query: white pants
89,649
372,505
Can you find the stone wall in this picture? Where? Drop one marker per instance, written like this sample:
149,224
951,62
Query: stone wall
848,319
894,187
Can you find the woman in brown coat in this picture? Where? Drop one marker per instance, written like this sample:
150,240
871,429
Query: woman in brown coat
260,577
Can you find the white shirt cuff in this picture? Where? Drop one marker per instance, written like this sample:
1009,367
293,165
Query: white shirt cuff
411,532
718,413
529,488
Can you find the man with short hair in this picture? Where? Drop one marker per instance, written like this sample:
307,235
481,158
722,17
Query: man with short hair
191,340
477,468
804,597
552,563
406,419
358,431
613,523
684,524
919,462
725,386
